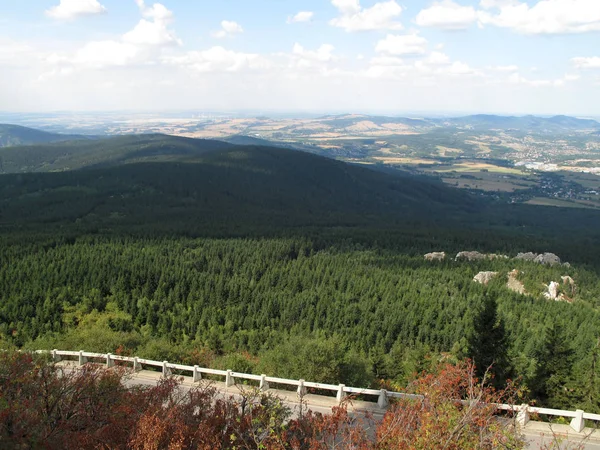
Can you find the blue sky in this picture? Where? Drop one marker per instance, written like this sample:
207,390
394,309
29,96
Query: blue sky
390,56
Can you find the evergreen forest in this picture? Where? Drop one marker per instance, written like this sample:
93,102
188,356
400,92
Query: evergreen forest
267,260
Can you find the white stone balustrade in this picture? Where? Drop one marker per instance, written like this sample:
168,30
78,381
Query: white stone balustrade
523,411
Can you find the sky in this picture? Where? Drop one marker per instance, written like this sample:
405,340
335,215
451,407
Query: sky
355,56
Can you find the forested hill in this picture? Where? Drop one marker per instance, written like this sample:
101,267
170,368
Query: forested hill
211,185
112,151
11,135
205,187
268,260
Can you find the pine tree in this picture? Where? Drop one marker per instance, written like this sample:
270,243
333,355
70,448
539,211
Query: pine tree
488,343
554,366
587,380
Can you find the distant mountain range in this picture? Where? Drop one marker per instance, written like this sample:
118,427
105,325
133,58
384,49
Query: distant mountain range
524,123
14,135
348,120
478,121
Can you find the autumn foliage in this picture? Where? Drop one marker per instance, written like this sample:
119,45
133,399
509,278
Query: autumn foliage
44,405
456,411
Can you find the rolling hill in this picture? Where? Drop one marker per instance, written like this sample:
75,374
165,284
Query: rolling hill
165,184
13,135
74,155
523,123
350,120
275,176
554,124
161,179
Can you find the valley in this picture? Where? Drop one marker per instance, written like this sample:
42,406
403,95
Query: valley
358,199
490,155
231,253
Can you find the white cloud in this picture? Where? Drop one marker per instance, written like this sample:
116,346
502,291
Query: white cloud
517,79
511,68
381,16
406,44
447,15
71,9
218,59
587,63
151,33
385,71
428,70
301,17
97,55
387,67
106,53
324,53
155,31
140,45
460,68
439,64
347,7
438,59
387,61
157,11
545,17
15,54
489,4
228,29
143,66
320,58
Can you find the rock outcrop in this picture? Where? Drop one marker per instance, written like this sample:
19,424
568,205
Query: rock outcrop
527,256
514,284
435,256
470,256
485,277
476,256
552,291
561,293
564,292
549,259
569,288
568,280
545,258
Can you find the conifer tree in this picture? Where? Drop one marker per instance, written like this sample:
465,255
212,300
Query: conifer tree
488,344
553,380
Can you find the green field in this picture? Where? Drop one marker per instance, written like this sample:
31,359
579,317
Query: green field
491,182
543,201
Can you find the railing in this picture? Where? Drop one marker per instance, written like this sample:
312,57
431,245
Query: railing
523,411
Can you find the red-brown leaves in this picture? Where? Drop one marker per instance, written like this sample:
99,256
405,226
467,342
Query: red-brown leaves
457,412
43,405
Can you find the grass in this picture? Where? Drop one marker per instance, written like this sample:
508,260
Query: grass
542,201
447,151
488,184
587,180
404,160
474,166
483,147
